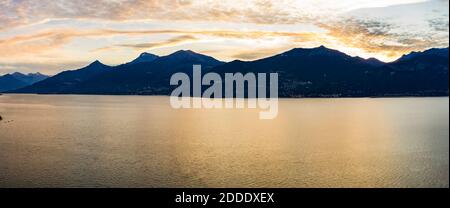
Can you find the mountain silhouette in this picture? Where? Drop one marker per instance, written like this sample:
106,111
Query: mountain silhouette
311,72
425,72
144,57
63,81
8,82
303,72
323,72
145,77
18,80
434,52
30,78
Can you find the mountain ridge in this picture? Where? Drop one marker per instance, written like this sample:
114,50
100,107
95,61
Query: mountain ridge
304,72
144,57
66,79
18,80
433,51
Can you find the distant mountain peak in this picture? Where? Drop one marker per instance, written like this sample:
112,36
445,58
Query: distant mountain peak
66,79
184,53
324,48
8,76
443,52
9,82
96,62
374,62
37,73
320,48
145,57
29,74
18,73
317,51
146,54
29,78
188,55
95,65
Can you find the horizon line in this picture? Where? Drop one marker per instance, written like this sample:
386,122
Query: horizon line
205,54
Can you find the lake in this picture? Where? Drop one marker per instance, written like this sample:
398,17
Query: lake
133,141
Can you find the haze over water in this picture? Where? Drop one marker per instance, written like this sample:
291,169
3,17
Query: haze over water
131,141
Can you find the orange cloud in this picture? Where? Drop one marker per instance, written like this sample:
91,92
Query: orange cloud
147,46
257,54
52,39
376,38
254,11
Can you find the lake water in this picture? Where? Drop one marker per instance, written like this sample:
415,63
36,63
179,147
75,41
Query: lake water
131,141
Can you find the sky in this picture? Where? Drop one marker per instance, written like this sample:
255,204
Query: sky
50,36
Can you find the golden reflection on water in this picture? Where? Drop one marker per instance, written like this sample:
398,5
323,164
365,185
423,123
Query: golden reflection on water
127,141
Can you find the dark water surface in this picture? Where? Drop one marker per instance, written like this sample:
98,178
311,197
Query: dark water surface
127,141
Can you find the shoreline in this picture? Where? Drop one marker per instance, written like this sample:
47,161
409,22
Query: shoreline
305,97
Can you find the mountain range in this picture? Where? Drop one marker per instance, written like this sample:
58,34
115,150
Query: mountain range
18,80
313,72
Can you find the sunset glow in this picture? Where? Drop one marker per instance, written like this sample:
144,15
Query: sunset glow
50,36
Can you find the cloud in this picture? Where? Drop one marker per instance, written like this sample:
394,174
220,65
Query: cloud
376,38
41,51
14,13
22,12
147,46
256,54
439,24
391,32
37,31
44,41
